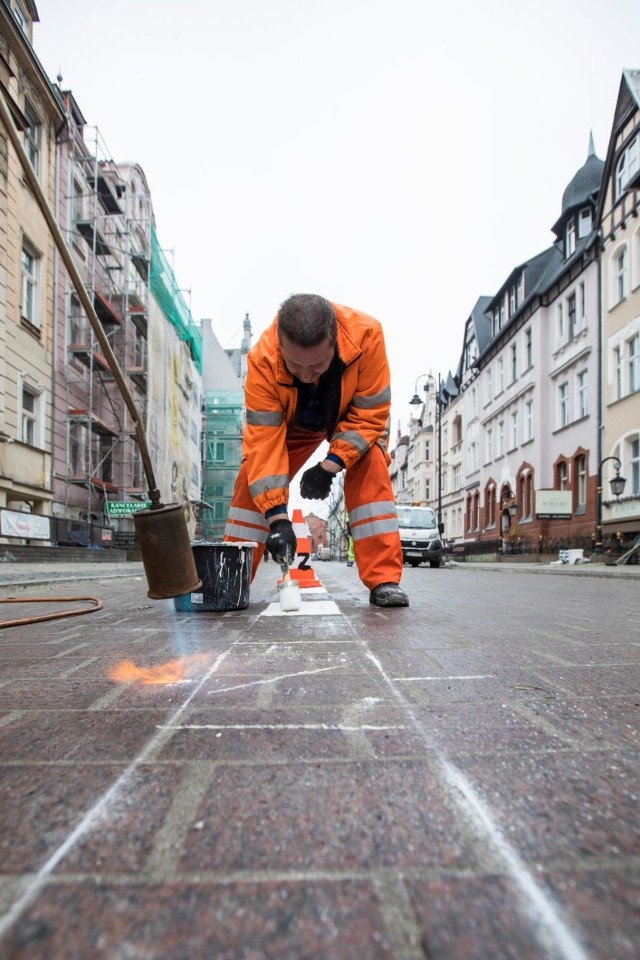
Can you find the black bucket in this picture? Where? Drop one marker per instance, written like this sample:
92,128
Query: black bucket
225,571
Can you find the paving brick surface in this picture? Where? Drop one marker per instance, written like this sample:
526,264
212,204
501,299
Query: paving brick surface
458,780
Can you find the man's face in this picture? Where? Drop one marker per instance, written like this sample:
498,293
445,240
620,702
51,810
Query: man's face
306,363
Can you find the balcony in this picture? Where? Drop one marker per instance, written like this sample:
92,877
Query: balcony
84,353
108,312
90,420
95,240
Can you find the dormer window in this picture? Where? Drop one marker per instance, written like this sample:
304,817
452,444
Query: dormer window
570,240
22,19
585,223
628,167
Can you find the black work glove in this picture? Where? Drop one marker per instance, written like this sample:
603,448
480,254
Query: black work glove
316,483
281,542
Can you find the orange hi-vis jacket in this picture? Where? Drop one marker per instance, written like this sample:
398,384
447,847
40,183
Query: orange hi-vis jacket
271,398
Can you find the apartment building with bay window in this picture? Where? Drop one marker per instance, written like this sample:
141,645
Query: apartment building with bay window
620,370
26,269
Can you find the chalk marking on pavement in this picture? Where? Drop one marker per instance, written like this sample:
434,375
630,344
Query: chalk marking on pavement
541,905
74,669
37,881
11,717
65,653
313,608
284,676
471,676
552,929
347,728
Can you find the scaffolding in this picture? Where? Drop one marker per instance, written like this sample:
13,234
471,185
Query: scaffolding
104,211
223,420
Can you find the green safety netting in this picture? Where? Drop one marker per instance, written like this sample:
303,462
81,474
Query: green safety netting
164,287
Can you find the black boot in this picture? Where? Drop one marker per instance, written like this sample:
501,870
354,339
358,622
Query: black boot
388,595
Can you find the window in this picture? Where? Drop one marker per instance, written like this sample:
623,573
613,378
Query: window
473,403
77,205
528,420
512,301
457,476
619,275
571,316
617,372
583,308
563,404
500,384
560,322
583,393
30,267
489,445
570,239
489,385
21,17
528,348
627,166
513,429
500,439
514,362
104,469
215,451
581,488
633,447
491,507
31,420
32,137
78,326
562,475
77,448
584,222
473,456
634,361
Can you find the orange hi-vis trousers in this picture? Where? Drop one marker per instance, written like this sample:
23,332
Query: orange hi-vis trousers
370,505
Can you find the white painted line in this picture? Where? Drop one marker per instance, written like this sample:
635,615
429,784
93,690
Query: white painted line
312,608
552,930
36,881
471,676
285,726
284,676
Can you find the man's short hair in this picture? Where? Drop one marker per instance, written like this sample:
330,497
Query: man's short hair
307,319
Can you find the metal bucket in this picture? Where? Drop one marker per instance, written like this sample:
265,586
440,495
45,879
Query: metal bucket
165,546
225,570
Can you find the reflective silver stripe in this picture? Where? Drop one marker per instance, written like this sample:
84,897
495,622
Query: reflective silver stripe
249,516
268,483
265,418
240,532
374,527
368,510
375,400
355,439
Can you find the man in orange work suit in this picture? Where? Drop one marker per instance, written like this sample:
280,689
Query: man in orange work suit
320,372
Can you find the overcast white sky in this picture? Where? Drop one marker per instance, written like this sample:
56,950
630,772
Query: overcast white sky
397,156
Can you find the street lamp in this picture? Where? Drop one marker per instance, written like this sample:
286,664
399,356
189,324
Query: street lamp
416,401
617,489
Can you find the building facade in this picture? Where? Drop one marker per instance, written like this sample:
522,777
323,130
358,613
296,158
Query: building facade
26,276
620,348
544,405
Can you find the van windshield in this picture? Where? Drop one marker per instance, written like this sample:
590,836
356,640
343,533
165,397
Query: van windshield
421,517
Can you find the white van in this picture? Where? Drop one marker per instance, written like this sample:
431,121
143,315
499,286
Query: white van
419,535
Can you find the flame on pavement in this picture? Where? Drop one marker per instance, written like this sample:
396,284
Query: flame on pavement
173,671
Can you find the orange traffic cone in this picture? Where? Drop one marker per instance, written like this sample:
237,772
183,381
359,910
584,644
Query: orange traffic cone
303,573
